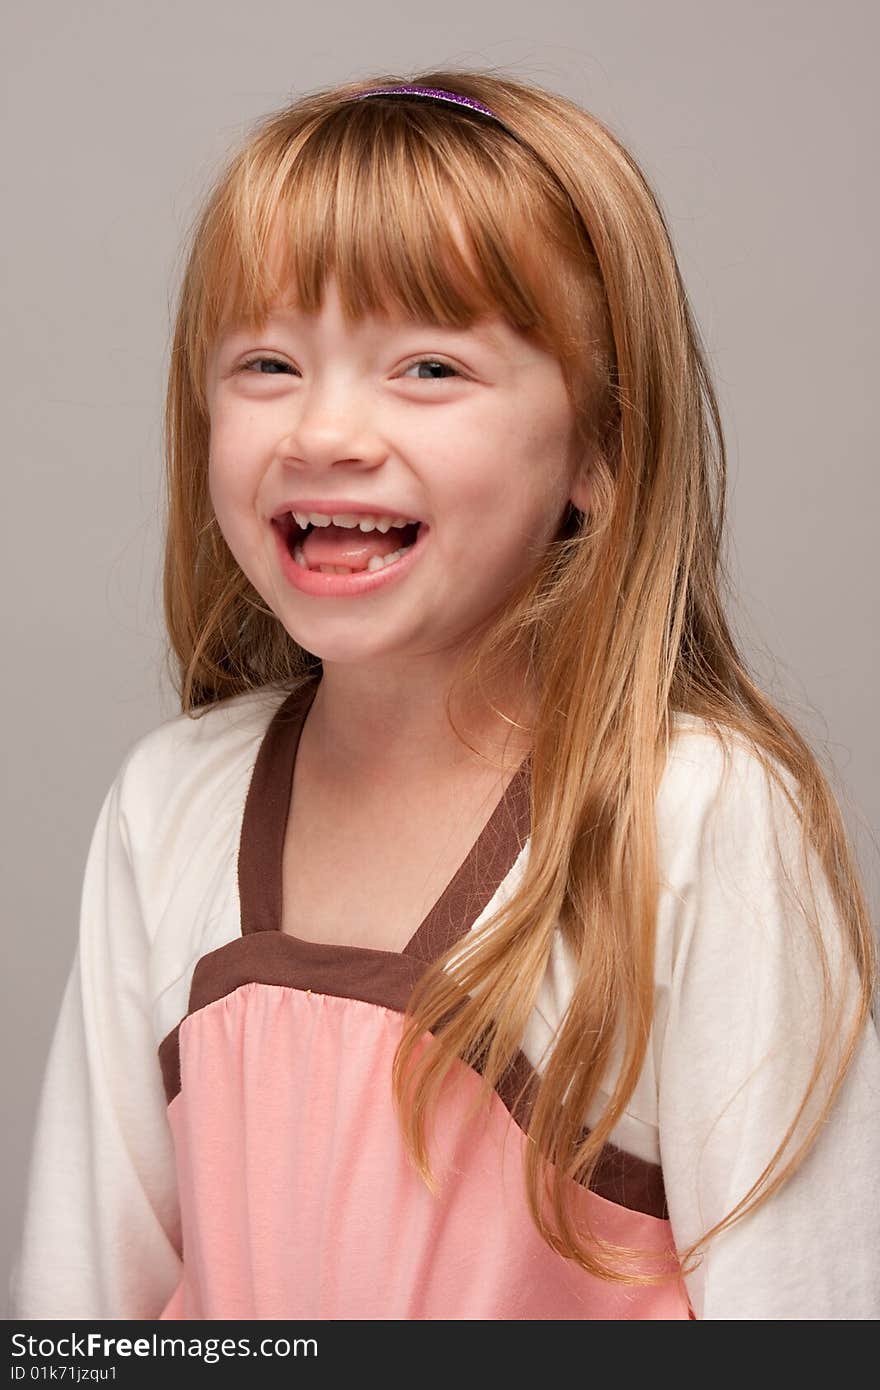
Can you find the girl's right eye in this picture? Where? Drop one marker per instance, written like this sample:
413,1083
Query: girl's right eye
271,361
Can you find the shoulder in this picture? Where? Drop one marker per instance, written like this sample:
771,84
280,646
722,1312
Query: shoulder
706,769
218,729
721,802
746,908
188,752
180,791
176,808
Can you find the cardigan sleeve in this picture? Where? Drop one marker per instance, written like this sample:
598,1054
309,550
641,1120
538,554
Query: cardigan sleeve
101,1226
738,1045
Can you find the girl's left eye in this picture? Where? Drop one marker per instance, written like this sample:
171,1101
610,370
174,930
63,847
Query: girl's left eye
433,362
274,366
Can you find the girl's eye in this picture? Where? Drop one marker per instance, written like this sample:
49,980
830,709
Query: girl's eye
433,362
270,362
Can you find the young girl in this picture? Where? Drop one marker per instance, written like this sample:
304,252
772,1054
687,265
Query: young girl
479,941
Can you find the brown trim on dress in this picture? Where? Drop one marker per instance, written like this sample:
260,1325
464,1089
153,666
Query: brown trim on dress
266,810
265,954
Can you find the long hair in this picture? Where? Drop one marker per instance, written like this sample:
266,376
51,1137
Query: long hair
620,623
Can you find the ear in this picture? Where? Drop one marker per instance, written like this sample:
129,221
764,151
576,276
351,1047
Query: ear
582,490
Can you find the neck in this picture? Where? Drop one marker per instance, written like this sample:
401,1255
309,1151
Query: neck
364,728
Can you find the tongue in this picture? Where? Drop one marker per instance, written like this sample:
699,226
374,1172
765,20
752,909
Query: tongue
341,545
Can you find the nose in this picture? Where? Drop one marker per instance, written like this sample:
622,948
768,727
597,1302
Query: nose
331,423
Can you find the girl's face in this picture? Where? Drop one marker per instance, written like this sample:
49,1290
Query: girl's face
468,430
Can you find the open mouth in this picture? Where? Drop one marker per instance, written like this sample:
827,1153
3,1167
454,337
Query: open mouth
345,550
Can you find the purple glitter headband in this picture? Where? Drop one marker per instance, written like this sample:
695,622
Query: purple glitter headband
470,104
432,94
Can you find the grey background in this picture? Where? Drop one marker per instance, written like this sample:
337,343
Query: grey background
755,124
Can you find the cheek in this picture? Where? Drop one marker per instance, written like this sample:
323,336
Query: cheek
222,499
234,509
514,479
231,474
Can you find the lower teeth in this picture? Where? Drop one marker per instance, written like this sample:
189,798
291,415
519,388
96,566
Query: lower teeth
377,562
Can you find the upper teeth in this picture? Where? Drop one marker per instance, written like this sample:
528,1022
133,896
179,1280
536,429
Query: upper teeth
350,519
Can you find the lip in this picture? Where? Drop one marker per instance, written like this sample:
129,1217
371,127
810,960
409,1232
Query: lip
320,585
327,506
